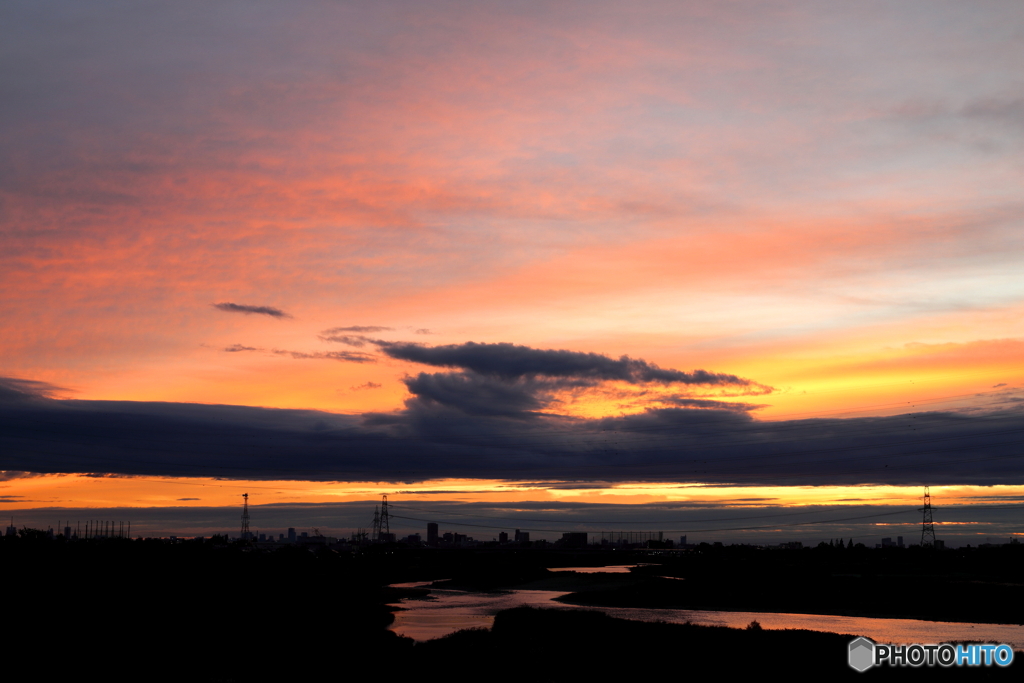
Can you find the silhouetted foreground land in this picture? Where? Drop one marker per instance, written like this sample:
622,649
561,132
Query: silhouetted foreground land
150,610
141,611
980,585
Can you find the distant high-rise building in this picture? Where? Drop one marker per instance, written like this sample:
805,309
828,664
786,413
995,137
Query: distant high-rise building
503,537
291,534
522,536
899,541
682,540
431,533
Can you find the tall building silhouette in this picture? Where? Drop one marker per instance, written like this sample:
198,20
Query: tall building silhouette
431,533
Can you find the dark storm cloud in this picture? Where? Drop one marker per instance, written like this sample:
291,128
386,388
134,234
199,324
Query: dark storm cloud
509,361
475,394
517,381
248,310
435,438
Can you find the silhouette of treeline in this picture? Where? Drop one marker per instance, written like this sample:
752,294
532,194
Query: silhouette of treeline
209,611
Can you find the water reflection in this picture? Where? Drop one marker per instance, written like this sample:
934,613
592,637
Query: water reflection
447,611
612,569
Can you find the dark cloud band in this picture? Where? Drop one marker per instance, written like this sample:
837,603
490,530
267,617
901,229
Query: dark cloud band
434,439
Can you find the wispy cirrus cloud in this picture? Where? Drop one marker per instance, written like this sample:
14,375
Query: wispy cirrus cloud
228,307
356,340
356,328
348,356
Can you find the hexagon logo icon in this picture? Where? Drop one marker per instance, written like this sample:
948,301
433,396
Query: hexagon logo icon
862,654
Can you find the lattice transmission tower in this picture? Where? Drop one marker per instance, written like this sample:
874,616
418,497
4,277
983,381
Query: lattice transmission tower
381,521
385,517
927,528
245,517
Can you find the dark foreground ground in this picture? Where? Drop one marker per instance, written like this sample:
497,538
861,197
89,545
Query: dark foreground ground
141,611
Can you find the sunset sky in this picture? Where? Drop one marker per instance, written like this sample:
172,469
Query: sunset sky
513,260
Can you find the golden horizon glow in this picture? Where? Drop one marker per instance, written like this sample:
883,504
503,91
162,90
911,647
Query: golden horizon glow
89,491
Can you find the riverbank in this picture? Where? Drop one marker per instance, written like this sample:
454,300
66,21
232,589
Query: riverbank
579,645
907,587
852,601
448,609
881,597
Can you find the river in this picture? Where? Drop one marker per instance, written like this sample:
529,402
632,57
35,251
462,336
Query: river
446,611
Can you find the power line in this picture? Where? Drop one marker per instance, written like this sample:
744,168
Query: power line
688,530
743,528
587,521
